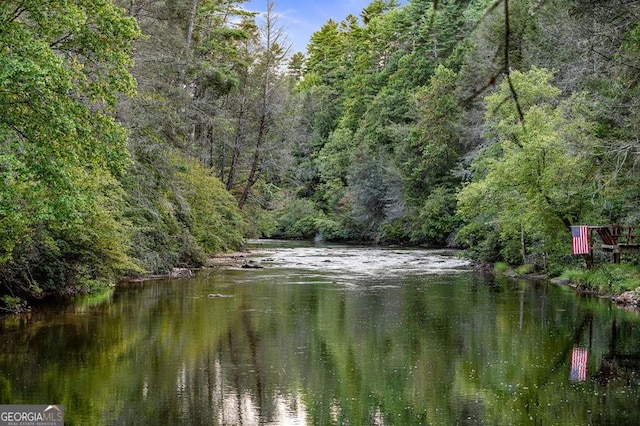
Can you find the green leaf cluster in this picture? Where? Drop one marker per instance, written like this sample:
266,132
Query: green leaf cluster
62,65
391,135
536,181
453,123
607,279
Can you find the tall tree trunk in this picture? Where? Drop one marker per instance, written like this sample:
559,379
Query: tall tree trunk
189,37
192,21
210,133
273,34
253,173
236,147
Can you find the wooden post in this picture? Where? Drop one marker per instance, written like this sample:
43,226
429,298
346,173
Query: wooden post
588,260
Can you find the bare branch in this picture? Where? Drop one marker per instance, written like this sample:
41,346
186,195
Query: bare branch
507,66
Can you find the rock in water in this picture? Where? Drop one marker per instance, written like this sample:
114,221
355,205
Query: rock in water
628,298
252,264
181,273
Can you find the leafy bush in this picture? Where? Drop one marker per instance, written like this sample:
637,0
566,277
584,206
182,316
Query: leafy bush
606,279
525,269
73,256
329,229
180,215
296,219
212,215
436,219
392,231
301,219
501,266
481,241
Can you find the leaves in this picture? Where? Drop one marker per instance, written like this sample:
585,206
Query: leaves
61,68
536,181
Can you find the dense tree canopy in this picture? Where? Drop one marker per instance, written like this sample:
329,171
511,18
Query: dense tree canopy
61,68
140,136
493,125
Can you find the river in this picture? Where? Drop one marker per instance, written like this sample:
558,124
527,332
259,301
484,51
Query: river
329,335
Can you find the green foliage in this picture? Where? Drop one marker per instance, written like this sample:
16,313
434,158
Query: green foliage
481,241
296,220
193,76
261,212
299,218
374,192
392,231
335,156
436,220
212,215
62,67
12,304
390,147
501,266
323,49
433,148
180,213
609,279
525,269
540,180
416,100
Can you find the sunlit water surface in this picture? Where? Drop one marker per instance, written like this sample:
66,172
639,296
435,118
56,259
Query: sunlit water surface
330,335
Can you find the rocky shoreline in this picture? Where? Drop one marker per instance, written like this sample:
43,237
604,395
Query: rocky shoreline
239,259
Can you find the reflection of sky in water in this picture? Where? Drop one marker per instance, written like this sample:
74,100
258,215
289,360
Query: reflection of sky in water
241,409
366,261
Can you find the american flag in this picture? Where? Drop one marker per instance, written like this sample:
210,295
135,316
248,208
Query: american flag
580,240
579,357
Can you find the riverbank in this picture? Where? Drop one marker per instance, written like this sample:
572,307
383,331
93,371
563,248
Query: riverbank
237,259
618,283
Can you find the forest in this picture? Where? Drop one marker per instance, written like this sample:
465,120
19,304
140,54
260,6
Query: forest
137,136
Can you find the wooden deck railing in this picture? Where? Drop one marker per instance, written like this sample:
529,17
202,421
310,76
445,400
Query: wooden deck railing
617,239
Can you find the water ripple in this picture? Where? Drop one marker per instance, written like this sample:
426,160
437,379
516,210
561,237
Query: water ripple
367,261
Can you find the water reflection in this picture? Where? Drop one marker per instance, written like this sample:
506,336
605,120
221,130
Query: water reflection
579,359
311,346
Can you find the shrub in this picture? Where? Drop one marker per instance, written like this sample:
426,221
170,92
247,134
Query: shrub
12,304
501,266
301,219
606,279
525,269
297,219
436,219
328,228
181,215
212,215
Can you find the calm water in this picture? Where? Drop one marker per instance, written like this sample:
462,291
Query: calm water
326,336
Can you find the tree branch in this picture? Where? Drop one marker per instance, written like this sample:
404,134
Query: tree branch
507,66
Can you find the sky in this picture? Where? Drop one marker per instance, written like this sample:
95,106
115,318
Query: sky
301,18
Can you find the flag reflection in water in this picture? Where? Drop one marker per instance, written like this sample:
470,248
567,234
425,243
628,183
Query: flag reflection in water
578,364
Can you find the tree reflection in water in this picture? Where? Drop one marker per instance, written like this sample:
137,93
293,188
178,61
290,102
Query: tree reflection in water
306,346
